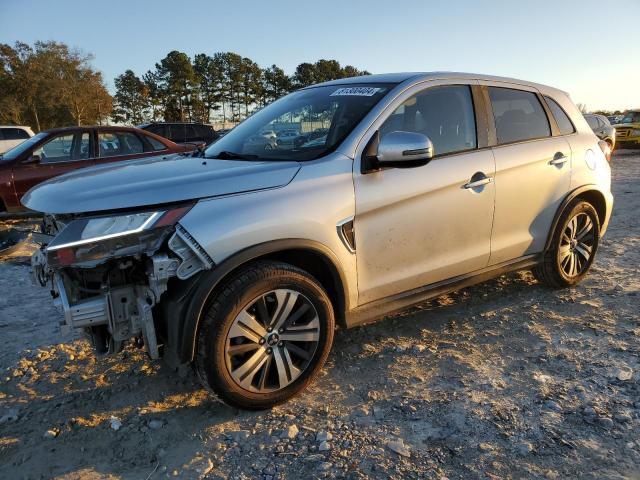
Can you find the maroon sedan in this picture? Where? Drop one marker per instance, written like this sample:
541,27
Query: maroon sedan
54,152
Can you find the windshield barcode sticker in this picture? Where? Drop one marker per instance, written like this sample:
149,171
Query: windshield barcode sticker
356,91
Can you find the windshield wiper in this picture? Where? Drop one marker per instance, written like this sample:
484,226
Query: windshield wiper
226,155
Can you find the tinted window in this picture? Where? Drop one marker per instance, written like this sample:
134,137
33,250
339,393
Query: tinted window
192,135
14,134
111,144
592,121
564,124
158,130
444,114
176,133
65,148
204,131
518,115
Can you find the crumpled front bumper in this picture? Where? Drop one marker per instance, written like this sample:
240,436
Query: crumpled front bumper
123,310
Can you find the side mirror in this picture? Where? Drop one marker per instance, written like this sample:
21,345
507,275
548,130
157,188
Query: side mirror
398,148
33,160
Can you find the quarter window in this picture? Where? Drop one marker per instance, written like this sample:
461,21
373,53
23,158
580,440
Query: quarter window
113,144
157,145
518,115
592,121
444,114
562,119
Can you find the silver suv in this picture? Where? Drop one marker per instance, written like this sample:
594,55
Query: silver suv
242,261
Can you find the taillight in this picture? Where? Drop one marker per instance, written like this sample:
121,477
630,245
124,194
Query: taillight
606,149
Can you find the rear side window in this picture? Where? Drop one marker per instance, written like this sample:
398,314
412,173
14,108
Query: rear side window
518,115
112,144
592,121
157,145
14,134
444,114
562,119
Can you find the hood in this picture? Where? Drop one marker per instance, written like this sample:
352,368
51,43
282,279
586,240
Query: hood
154,181
627,125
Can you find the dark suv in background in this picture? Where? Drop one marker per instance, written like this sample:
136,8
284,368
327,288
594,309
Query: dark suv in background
178,132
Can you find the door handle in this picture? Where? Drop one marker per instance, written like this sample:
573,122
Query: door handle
559,159
478,183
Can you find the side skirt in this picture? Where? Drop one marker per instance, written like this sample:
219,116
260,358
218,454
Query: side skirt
377,309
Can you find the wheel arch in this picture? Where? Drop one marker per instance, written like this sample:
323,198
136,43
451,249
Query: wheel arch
189,302
588,193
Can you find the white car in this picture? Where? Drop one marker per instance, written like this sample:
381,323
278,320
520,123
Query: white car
12,135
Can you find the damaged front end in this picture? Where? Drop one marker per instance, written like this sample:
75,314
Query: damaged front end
107,272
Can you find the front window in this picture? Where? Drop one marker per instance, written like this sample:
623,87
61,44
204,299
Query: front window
444,114
304,125
65,148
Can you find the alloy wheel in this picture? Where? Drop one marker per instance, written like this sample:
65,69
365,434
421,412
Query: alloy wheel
272,341
576,245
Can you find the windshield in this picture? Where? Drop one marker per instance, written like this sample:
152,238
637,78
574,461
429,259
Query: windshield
631,118
18,150
304,125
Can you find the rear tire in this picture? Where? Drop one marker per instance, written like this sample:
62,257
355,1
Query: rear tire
265,335
573,247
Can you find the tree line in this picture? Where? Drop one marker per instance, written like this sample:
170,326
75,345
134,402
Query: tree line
50,85
221,87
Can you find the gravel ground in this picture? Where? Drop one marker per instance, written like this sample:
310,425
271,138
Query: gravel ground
508,379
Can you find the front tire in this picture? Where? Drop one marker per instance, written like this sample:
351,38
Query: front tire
573,247
265,335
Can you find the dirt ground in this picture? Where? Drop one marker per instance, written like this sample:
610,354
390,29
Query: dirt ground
508,379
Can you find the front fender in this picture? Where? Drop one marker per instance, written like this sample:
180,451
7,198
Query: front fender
182,308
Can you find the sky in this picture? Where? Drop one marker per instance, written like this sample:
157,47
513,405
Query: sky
588,48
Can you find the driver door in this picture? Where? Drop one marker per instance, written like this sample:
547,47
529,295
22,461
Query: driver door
64,152
418,226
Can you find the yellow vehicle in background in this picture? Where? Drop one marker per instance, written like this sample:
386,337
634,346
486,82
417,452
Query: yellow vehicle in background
628,130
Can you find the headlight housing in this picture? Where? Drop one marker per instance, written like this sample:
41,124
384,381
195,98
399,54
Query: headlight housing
635,133
90,240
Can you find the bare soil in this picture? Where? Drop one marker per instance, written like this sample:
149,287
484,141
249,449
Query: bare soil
508,379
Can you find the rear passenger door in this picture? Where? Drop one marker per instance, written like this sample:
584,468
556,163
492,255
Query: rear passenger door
533,171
